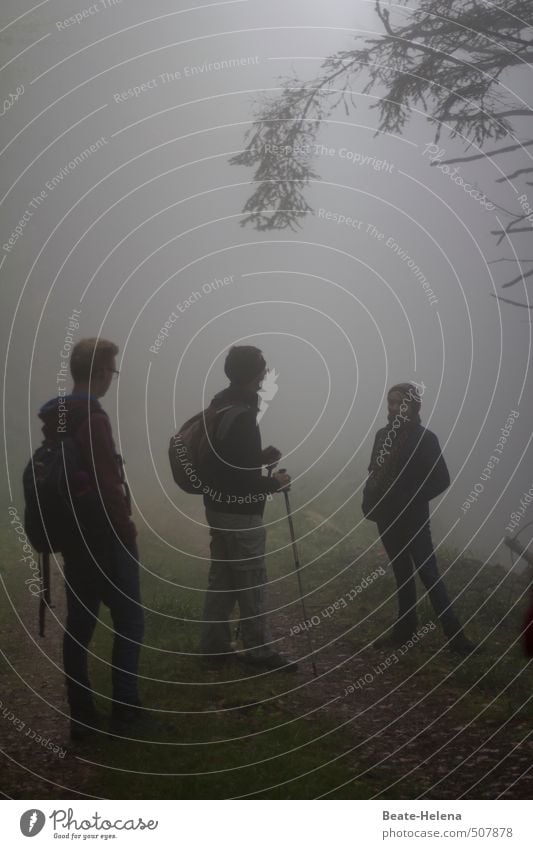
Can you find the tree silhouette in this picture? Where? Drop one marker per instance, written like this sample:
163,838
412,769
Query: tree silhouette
444,60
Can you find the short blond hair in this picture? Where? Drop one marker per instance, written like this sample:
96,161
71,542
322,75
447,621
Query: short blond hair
90,355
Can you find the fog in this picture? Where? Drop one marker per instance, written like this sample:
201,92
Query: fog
147,224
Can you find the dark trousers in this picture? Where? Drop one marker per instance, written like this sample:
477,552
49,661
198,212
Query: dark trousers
114,580
410,550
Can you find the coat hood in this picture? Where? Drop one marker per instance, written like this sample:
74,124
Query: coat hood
56,412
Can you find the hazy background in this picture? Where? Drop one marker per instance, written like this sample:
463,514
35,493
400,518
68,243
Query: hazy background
154,215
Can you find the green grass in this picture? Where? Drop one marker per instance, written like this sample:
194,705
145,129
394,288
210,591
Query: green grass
236,737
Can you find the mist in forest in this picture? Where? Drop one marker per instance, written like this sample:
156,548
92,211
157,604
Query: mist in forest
121,218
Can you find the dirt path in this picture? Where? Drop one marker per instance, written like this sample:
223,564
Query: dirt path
38,760
394,723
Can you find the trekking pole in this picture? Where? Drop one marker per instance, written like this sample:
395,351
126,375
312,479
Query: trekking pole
44,601
298,575
523,551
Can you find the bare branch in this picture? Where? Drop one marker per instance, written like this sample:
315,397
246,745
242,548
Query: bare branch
515,174
509,301
517,279
496,152
508,259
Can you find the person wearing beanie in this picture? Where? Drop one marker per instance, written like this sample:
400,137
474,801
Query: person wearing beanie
234,504
407,470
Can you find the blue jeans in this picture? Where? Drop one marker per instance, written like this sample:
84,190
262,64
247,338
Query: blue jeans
410,550
114,580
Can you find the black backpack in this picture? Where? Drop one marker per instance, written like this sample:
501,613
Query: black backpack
61,500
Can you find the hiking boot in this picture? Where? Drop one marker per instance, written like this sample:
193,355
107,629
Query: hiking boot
129,720
85,724
273,662
461,645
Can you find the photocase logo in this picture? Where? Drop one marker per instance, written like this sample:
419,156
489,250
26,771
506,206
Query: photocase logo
267,392
32,822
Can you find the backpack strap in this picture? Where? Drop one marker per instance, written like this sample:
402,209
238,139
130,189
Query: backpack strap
120,463
78,416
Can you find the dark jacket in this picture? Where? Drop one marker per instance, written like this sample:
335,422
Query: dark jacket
99,453
424,475
236,483
527,636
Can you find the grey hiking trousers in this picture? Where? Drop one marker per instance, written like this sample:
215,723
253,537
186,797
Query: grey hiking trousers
237,575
